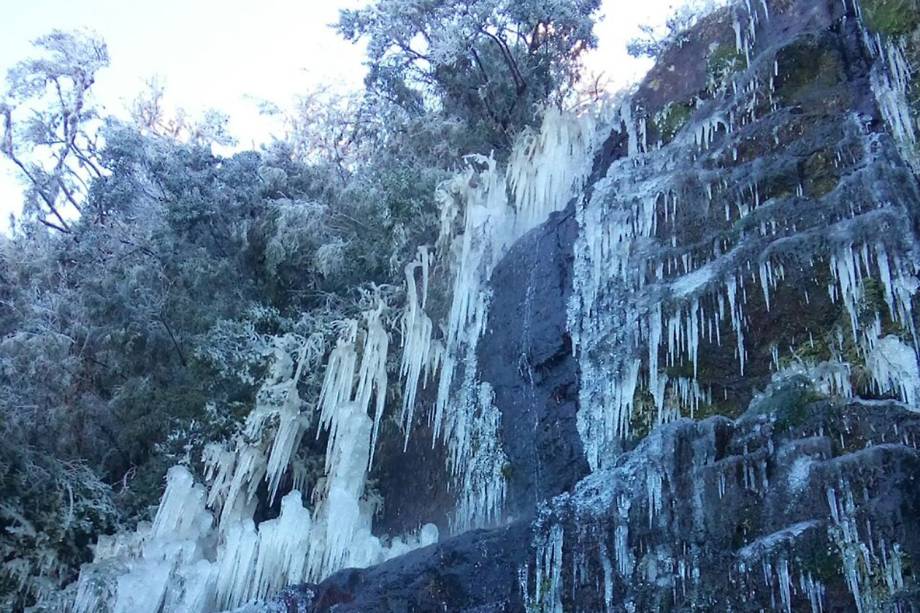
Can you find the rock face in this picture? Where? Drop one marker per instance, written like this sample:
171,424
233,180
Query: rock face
476,572
526,355
785,510
767,512
751,224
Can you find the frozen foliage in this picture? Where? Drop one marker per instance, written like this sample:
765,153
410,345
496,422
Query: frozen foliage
260,453
488,62
673,31
46,508
50,124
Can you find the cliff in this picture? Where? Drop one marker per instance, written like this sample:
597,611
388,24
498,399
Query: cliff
705,364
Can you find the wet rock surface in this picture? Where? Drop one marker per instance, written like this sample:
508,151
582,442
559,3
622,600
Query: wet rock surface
526,355
477,571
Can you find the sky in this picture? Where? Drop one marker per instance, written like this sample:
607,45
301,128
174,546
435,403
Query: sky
225,54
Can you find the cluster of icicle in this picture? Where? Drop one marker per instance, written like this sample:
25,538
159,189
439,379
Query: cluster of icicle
204,552
868,560
484,210
891,82
635,314
872,565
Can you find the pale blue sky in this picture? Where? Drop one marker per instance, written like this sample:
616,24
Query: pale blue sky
221,53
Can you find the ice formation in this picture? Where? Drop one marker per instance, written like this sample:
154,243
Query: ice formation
894,370
421,354
347,383
646,302
547,592
864,561
160,567
204,552
492,207
186,562
891,81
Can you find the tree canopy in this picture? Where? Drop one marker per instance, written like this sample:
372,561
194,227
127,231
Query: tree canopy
490,62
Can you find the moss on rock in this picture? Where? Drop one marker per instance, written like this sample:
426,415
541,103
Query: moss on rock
669,120
805,67
891,17
724,60
821,174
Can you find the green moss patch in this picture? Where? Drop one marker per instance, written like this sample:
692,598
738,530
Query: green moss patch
724,60
669,120
821,174
807,67
891,17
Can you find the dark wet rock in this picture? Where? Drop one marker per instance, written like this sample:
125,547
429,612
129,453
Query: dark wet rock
412,497
477,571
526,355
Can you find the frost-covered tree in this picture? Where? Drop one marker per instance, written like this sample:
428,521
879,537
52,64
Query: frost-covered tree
150,112
49,124
489,62
654,40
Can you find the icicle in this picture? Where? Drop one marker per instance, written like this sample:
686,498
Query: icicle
237,562
891,82
545,166
548,577
372,377
284,546
785,583
894,369
175,566
653,486
419,357
479,461
621,550
285,402
181,507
